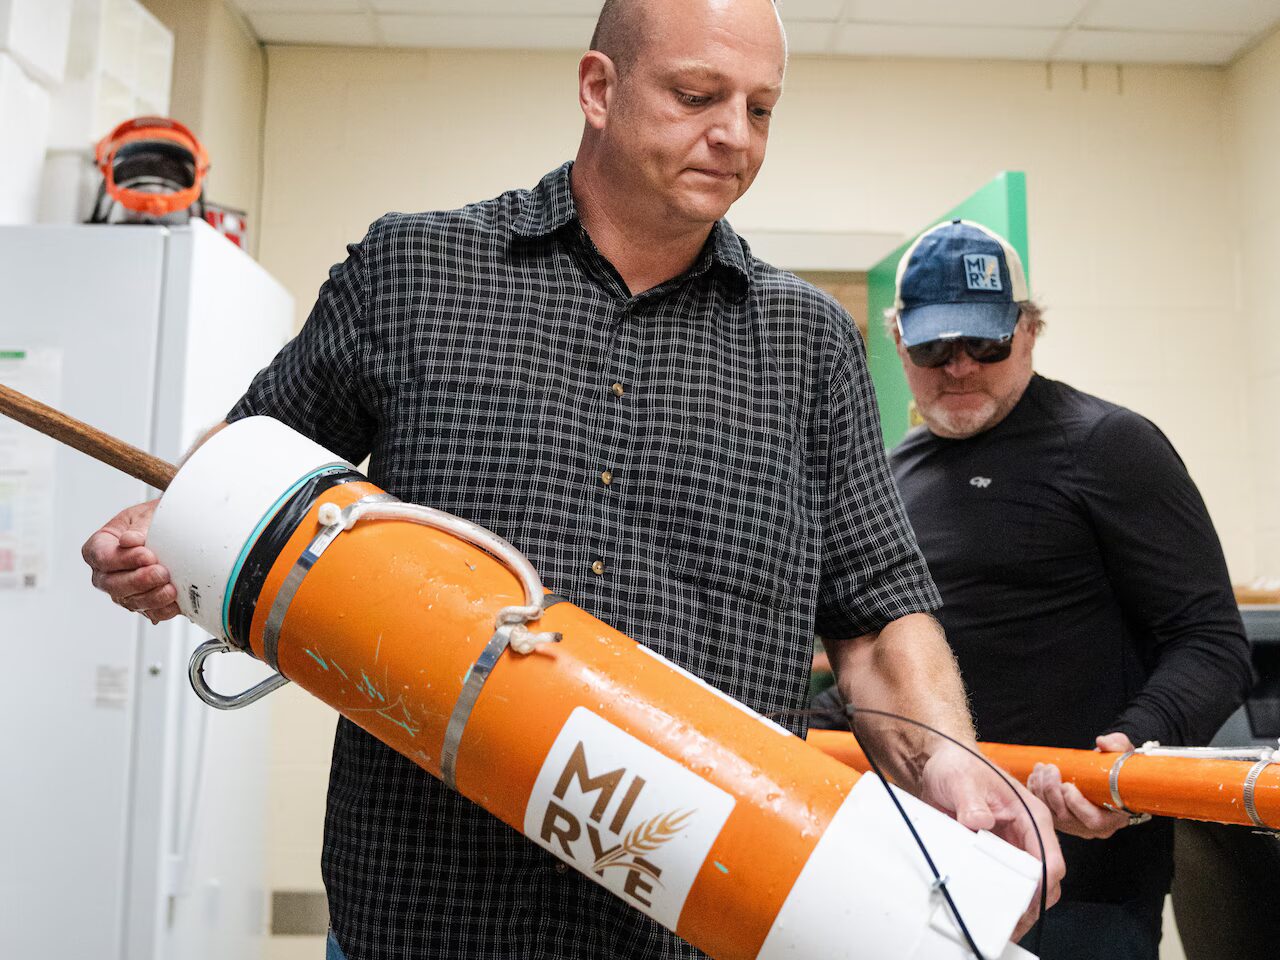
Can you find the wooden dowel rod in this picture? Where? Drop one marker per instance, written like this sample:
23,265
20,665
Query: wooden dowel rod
101,446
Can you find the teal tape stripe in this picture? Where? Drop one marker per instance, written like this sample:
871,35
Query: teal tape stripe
257,532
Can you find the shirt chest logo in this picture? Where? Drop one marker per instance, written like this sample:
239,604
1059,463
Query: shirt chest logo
980,482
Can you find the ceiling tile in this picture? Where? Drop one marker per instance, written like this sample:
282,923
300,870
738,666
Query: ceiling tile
343,29
463,8
300,6
1141,46
876,40
810,36
1219,16
974,13
503,33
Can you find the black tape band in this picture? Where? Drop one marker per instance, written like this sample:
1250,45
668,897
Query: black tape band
265,551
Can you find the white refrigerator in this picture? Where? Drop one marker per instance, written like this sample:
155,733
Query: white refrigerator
131,815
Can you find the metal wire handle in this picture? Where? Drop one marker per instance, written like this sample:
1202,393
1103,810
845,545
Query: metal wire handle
335,520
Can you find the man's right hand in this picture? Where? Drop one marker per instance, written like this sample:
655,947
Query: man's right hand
126,570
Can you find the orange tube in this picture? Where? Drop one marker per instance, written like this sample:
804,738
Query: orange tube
437,638
1187,787
357,639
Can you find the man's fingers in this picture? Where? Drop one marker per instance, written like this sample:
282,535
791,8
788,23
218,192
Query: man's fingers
1027,920
125,585
113,547
972,810
132,538
1049,789
104,553
1114,743
153,600
1100,822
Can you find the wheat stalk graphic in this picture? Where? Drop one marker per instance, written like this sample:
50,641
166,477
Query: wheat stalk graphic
646,837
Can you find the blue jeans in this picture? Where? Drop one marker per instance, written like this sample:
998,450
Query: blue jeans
331,949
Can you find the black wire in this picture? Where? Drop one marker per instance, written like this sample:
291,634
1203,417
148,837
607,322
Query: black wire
850,710
939,882
1040,840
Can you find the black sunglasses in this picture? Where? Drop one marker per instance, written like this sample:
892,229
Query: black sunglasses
938,353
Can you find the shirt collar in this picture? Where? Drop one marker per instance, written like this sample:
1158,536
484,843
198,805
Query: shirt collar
730,252
550,206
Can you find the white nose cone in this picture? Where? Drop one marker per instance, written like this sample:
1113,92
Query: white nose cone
890,909
220,502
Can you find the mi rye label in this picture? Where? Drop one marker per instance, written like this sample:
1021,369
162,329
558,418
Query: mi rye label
630,818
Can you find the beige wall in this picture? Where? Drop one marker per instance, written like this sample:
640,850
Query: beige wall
1132,240
1253,112
219,88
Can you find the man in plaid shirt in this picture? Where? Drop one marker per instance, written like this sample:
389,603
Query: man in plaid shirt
681,438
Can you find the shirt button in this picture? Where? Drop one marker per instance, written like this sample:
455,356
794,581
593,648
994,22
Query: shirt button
598,568
607,477
617,390
562,868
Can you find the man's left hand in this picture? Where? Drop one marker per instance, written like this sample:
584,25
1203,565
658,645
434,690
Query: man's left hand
1072,813
961,785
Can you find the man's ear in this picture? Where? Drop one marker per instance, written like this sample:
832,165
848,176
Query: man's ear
597,79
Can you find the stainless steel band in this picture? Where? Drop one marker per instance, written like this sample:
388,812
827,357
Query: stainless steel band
511,629
1114,782
471,687
466,701
1117,803
1250,788
306,560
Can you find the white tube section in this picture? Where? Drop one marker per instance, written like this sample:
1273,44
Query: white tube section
866,890
220,501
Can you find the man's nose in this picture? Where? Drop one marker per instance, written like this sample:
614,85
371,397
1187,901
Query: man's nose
732,126
961,364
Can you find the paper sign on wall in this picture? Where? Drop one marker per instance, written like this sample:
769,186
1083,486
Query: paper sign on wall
26,472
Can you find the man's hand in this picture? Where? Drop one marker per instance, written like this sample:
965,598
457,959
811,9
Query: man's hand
1072,813
961,785
126,570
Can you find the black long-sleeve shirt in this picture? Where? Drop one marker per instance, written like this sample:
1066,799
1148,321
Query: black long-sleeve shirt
1084,589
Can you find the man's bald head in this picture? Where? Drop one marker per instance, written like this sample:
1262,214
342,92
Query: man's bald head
622,30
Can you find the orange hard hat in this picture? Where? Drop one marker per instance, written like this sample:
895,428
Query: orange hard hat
152,165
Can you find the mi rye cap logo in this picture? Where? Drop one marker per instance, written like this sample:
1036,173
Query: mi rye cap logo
630,818
982,272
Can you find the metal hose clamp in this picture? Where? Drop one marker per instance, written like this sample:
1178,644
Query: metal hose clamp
1250,787
1117,804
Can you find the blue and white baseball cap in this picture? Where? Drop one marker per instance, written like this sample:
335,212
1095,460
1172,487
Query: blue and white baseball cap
959,279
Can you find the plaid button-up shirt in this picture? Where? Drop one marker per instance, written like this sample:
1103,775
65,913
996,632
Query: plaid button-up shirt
700,466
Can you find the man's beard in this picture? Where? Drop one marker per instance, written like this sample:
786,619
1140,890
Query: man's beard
961,424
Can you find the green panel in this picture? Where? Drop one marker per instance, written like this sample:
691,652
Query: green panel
1001,206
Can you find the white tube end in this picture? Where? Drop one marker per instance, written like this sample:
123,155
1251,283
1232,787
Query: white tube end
218,504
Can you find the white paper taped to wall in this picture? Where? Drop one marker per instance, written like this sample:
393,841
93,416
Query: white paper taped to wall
26,471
